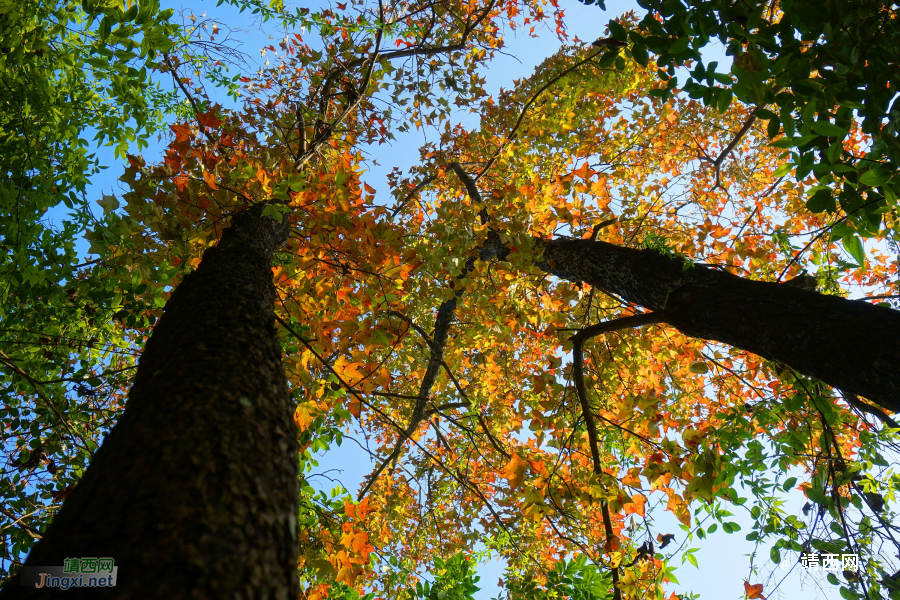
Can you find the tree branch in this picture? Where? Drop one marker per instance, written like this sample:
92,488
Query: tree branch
23,526
854,401
593,440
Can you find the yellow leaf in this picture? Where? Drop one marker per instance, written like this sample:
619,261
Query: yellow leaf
210,180
303,416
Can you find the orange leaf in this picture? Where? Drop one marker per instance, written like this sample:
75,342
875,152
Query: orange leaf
636,505
262,177
584,171
209,119
514,471
210,180
359,541
539,468
135,162
362,508
753,591
182,132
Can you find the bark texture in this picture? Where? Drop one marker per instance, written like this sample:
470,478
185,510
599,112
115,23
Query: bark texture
850,345
194,492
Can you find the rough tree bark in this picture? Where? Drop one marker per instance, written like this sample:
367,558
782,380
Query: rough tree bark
851,345
194,492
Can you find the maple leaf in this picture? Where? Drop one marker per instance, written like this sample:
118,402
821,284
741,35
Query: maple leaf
182,132
753,591
209,119
514,471
636,506
135,162
210,180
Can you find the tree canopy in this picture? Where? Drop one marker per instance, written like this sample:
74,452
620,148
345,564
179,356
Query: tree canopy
614,296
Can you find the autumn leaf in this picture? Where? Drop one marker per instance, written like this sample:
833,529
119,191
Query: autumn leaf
636,506
753,591
362,508
514,471
182,132
304,415
210,180
209,119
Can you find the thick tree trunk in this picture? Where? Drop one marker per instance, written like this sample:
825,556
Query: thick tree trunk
851,345
194,492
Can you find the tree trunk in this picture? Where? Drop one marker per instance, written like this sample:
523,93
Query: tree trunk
194,492
850,345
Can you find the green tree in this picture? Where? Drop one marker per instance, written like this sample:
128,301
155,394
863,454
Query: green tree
822,77
68,71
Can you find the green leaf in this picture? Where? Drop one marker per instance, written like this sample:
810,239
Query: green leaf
842,168
109,204
618,32
828,129
822,200
787,485
783,170
699,368
680,45
853,245
876,176
817,496
724,100
640,54
785,142
105,29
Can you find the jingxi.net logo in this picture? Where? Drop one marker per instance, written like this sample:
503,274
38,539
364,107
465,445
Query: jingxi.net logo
75,572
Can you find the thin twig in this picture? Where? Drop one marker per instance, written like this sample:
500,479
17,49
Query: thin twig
23,526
